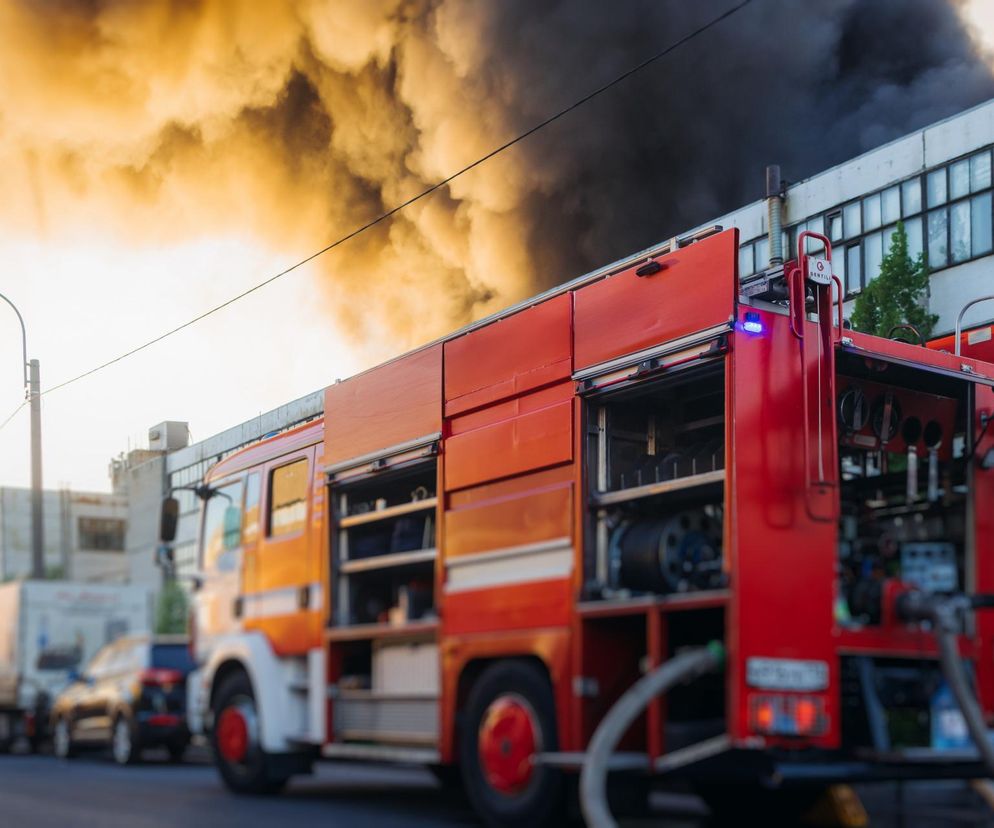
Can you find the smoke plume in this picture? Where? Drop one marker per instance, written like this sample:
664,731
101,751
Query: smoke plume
298,121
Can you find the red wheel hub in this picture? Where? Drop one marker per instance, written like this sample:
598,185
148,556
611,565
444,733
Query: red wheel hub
508,742
232,735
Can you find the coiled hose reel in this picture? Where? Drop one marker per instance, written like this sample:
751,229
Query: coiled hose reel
676,553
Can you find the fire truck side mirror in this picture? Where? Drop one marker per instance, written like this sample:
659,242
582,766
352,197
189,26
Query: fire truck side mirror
168,519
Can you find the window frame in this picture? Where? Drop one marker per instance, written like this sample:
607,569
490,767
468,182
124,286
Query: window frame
854,208
267,496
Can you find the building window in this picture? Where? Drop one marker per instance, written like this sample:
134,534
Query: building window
913,227
980,171
959,179
745,261
854,270
871,212
959,232
103,534
911,197
288,498
873,250
890,205
851,220
937,187
980,224
938,251
957,227
835,227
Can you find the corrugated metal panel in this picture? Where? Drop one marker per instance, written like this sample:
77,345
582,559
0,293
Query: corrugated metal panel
399,720
406,668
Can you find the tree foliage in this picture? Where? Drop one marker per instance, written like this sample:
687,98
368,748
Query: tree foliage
899,295
171,611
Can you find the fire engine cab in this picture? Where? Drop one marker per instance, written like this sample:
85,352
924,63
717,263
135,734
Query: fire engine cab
488,544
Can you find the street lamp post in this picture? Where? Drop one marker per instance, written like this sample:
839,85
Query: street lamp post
32,391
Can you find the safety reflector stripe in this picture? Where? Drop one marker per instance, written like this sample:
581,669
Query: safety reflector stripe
282,601
511,565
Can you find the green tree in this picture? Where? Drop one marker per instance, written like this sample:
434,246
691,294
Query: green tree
171,611
899,295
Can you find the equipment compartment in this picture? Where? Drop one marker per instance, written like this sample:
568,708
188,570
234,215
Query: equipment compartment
904,448
384,546
656,460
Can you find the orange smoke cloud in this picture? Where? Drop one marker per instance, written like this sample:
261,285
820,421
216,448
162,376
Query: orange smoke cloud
298,121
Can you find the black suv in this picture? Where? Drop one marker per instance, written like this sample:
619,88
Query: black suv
132,695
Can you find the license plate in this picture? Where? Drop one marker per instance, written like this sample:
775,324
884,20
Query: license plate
786,674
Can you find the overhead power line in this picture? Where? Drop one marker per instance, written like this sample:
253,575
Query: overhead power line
421,195
13,414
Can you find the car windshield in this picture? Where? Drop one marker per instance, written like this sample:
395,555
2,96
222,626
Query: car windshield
172,657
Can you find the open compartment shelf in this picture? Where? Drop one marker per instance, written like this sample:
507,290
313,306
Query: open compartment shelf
656,466
383,548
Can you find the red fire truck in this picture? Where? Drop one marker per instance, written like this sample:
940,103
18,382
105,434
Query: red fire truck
488,542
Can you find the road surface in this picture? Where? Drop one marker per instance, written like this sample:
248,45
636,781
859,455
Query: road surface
91,792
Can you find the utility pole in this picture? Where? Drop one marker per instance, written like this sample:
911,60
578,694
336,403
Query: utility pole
37,494
32,391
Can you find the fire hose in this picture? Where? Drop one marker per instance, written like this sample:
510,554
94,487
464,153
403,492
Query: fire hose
944,614
683,668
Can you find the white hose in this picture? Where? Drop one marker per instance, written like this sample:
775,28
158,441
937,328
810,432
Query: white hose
685,667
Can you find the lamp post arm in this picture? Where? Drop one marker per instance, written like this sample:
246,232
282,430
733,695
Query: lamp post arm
24,340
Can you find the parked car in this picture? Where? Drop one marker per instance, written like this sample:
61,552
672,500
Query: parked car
131,696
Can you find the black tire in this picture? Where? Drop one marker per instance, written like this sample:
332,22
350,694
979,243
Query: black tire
177,750
541,801
62,743
780,806
254,775
449,777
128,751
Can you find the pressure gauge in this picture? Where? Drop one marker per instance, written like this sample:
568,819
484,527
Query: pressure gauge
885,432
853,409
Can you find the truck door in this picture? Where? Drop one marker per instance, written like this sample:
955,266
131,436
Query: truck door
219,606
282,596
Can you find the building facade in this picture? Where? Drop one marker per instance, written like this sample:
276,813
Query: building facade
146,477
84,535
937,181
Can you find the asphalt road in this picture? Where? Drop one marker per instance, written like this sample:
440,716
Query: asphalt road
92,791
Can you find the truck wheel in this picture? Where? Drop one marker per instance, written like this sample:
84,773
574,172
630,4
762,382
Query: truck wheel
511,717
238,754
123,744
62,745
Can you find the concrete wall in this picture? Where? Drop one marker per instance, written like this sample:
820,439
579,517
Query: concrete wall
907,157
64,549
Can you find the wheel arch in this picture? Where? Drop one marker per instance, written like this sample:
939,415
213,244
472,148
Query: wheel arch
252,655
471,673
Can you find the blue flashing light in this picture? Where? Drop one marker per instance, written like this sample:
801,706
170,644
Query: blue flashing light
752,323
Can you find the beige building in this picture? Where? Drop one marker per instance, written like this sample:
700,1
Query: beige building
84,535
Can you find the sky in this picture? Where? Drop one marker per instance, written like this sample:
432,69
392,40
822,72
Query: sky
88,299
89,291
